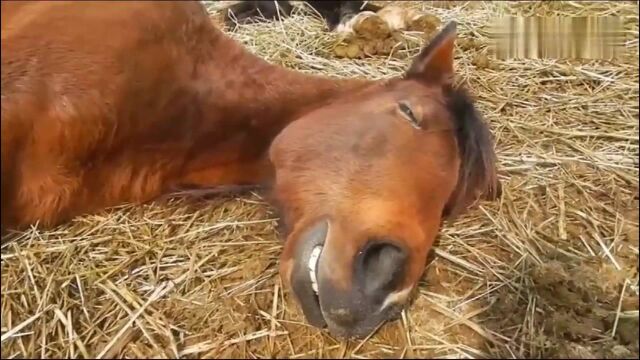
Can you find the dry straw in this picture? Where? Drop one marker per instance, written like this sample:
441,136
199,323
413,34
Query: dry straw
540,273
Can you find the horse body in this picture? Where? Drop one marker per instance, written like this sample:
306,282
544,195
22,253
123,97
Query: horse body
107,103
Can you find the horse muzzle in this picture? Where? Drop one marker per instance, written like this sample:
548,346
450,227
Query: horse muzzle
371,299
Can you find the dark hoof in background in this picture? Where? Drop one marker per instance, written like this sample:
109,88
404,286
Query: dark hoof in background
252,11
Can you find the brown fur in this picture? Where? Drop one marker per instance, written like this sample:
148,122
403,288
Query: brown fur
104,104
109,104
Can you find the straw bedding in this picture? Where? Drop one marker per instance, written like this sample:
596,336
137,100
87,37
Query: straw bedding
550,270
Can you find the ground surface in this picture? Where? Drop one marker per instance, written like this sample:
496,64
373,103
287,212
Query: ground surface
549,271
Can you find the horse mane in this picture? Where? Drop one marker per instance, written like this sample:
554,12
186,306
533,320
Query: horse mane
477,175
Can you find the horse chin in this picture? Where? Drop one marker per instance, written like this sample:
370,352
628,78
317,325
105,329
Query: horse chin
303,276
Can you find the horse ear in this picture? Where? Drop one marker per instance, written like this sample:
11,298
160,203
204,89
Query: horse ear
435,61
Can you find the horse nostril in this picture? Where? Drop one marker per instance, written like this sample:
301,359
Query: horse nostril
381,269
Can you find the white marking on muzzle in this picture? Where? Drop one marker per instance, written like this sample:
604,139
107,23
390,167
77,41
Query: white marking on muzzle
396,297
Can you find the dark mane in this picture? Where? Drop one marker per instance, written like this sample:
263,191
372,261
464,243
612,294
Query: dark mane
478,160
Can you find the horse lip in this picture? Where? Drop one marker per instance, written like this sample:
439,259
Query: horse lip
314,236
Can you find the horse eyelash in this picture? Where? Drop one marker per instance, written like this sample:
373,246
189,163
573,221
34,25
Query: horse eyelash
408,114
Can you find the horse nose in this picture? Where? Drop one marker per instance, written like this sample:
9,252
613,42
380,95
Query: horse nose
381,269
378,272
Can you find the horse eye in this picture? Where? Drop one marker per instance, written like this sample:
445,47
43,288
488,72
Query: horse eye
406,111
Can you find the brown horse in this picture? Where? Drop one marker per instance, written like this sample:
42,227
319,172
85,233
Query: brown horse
107,103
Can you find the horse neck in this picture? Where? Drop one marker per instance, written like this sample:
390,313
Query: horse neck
246,88
243,103
296,93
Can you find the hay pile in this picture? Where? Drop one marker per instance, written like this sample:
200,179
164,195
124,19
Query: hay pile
550,271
